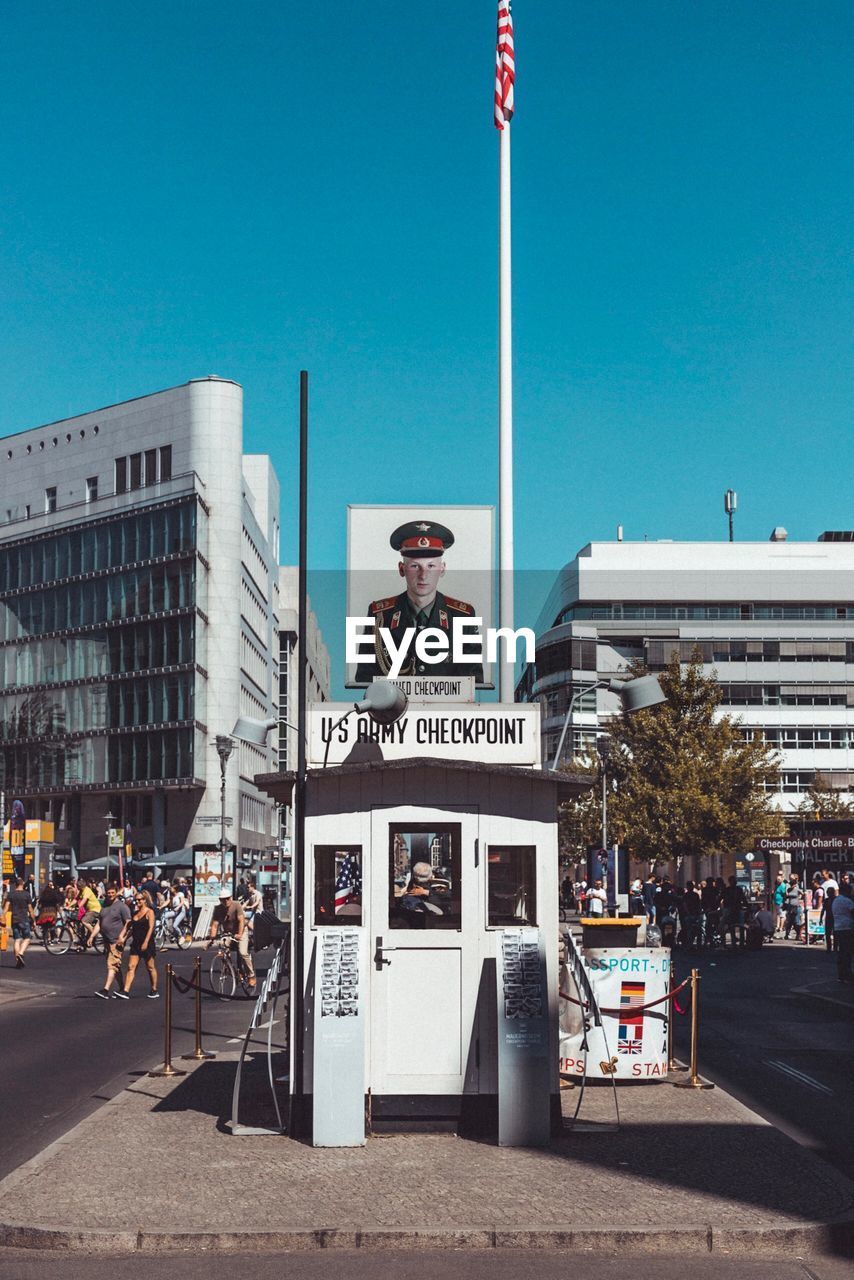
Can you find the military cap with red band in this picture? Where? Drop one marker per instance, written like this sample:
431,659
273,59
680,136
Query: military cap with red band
421,538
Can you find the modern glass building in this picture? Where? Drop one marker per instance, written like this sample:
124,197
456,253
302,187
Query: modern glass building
774,622
138,586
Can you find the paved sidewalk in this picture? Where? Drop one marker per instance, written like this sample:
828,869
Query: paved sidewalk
688,1171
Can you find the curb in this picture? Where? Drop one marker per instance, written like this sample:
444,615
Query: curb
828,1239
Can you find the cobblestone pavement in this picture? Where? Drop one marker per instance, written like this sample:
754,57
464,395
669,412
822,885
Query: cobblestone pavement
680,1159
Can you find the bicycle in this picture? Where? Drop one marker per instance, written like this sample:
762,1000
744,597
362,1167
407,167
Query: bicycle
227,970
60,935
165,933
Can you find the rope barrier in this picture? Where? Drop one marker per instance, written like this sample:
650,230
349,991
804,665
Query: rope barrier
630,1008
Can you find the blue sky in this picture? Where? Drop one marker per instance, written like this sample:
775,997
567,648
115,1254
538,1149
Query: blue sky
252,189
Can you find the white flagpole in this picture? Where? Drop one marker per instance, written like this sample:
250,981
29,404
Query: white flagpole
506,676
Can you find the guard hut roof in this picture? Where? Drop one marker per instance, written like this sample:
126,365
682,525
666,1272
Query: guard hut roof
460,776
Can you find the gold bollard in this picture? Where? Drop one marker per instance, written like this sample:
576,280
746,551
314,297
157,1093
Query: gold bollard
199,1054
693,1081
672,1064
167,1069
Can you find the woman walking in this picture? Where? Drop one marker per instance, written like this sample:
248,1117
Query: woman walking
142,945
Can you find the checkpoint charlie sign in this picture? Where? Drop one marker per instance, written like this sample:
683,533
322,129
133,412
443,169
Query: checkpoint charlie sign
478,731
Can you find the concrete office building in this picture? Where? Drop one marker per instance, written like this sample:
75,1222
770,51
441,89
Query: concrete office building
138,591
774,620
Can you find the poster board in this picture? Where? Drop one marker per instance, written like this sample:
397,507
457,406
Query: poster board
630,1045
373,572
210,878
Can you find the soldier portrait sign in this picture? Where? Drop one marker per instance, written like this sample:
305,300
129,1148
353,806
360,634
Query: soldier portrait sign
421,581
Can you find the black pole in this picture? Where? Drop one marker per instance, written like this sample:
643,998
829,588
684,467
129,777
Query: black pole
299,866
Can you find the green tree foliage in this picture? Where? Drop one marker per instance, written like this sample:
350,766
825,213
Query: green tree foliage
687,781
821,801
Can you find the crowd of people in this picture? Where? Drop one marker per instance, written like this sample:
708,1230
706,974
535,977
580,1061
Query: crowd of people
713,911
121,912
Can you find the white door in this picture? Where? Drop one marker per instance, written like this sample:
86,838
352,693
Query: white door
424,949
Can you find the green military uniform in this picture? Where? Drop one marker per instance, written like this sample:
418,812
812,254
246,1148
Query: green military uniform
396,613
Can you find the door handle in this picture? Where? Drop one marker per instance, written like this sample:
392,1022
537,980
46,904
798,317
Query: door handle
379,956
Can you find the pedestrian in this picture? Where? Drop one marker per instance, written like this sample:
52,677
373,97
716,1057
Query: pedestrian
636,906
91,905
780,902
827,917
142,945
18,901
734,912
710,901
829,881
596,900
843,931
49,904
30,887
795,898
691,918
115,923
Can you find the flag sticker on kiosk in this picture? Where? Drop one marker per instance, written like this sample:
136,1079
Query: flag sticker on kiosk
630,1034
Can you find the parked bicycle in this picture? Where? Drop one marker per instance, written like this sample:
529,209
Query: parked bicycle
227,969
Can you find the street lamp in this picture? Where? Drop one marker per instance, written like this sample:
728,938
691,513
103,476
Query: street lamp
110,818
384,702
636,695
247,729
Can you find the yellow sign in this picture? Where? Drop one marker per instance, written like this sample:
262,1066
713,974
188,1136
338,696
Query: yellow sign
36,833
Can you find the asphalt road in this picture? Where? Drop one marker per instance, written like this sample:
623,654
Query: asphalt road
63,1052
501,1264
788,1057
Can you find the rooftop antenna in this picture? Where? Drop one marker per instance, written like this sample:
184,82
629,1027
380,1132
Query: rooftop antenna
730,504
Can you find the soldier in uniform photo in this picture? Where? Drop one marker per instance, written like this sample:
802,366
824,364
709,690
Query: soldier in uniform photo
422,545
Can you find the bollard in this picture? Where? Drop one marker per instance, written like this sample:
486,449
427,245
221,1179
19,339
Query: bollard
693,1081
672,1064
167,1069
199,1054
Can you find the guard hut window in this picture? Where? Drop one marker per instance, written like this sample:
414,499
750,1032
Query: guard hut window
424,876
338,884
511,880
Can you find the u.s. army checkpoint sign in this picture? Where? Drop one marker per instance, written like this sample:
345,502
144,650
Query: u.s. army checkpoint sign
493,732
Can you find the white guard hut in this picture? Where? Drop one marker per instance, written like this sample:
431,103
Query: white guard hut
423,875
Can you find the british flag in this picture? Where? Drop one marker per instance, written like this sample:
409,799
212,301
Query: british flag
629,1046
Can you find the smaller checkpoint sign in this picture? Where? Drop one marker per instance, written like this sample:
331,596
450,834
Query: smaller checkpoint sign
630,1045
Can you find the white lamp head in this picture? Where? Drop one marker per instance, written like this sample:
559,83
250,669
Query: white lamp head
384,702
638,694
255,732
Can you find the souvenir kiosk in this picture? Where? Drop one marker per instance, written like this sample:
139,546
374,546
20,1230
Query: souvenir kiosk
430,942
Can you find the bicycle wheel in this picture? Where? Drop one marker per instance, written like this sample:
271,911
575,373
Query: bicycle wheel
248,988
99,945
57,939
183,939
160,941
221,977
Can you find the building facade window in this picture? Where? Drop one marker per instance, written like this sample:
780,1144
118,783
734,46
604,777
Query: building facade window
50,500
92,489
166,462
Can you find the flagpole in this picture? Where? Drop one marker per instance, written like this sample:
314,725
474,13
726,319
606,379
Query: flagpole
505,415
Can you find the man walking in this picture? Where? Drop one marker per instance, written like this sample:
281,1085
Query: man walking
842,907
19,902
115,922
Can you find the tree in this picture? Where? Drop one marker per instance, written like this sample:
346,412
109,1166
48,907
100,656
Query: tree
687,781
821,801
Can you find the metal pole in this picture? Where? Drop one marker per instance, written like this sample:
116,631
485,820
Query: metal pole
198,1054
505,414
223,760
167,1069
605,808
298,850
672,1064
693,1081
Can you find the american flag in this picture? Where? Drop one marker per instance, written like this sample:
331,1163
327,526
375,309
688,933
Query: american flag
505,66
348,884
